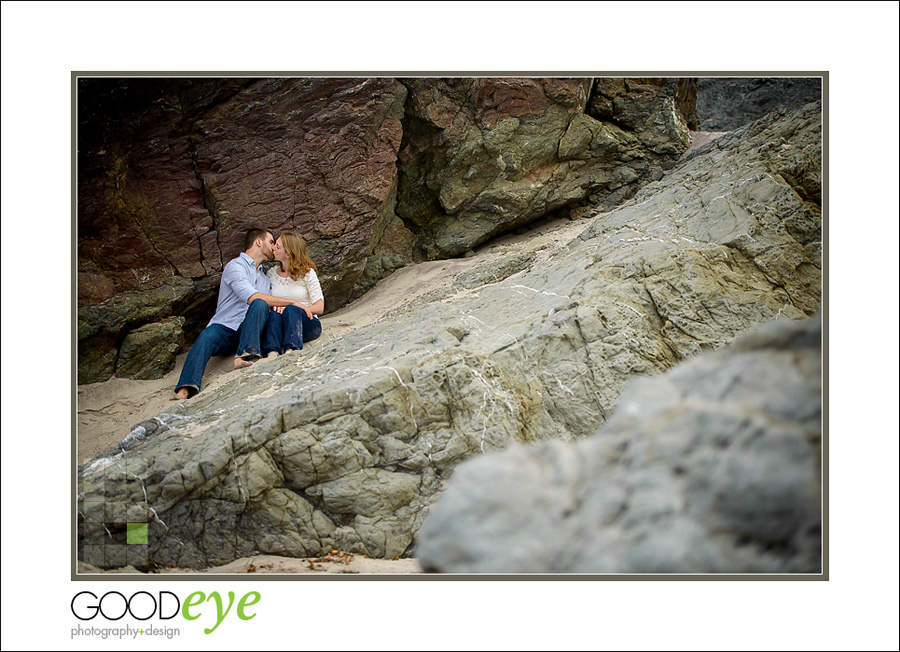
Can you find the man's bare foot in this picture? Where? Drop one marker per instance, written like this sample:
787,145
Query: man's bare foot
272,354
240,363
181,394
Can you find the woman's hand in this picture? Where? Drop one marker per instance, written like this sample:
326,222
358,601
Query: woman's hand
280,309
305,309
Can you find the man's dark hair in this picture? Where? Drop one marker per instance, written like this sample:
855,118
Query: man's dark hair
252,235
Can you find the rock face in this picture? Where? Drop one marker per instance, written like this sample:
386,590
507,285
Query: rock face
348,446
172,172
714,467
483,155
103,328
656,109
316,156
726,103
149,352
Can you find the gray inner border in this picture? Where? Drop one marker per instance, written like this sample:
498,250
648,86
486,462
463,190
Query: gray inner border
194,577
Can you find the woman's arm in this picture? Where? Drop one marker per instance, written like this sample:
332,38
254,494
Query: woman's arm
274,302
313,291
316,308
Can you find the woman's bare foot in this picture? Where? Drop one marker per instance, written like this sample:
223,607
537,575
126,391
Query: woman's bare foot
181,394
272,354
240,363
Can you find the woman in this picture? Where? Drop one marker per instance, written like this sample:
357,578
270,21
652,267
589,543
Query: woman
293,278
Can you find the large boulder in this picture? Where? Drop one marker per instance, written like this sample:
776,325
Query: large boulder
656,109
483,155
714,467
149,351
173,172
348,444
103,327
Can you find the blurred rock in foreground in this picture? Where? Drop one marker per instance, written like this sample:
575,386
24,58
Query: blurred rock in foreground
714,467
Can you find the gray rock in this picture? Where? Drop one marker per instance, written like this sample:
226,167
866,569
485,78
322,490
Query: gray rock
349,442
149,352
726,103
658,111
102,325
714,467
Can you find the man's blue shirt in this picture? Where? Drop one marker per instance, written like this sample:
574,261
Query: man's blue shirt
241,279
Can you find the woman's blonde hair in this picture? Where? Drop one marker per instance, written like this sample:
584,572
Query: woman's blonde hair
299,262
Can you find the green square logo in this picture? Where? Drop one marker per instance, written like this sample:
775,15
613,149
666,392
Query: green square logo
137,533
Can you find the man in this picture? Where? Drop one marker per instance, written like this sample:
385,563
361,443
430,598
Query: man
241,314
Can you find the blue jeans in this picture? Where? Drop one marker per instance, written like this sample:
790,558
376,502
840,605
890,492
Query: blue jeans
289,330
217,339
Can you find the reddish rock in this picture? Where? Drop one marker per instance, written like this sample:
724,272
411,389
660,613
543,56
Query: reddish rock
315,156
173,172
498,98
139,201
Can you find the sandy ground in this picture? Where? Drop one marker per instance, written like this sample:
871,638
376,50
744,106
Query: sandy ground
700,138
337,563
108,410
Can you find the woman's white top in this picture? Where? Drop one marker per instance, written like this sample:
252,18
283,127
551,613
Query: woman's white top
306,290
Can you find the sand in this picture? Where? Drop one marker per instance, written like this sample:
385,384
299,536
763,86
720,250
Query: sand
337,563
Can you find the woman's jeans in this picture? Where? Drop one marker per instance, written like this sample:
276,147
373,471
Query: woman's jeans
217,339
289,330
